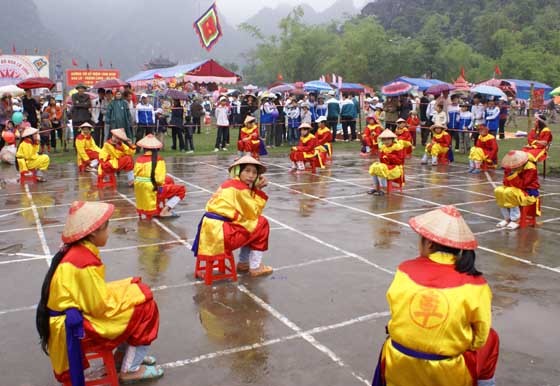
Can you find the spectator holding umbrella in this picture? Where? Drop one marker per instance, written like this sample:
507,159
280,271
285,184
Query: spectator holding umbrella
81,108
118,114
492,117
31,107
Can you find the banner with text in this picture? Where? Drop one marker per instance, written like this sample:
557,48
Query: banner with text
15,68
89,77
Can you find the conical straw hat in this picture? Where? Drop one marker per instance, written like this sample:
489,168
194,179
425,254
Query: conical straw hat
387,134
249,119
85,217
440,126
120,134
445,226
29,131
514,159
247,159
305,126
149,142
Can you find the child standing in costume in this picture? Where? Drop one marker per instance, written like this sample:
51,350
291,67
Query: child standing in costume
521,188
413,123
404,137
369,138
440,144
116,155
86,149
156,193
27,155
390,165
324,138
101,314
484,151
306,149
233,219
249,141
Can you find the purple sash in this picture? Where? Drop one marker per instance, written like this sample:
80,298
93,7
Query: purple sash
74,324
212,216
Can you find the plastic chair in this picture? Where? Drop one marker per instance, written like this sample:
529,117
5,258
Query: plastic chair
206,266
111,377
28,176
529,215
396,184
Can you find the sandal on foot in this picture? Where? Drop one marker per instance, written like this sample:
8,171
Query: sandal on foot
143,374
372,191
263,270
242,267
172,215
149,360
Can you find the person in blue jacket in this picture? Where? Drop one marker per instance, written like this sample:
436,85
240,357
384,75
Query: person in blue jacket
348,115
453,112
492,117
333,113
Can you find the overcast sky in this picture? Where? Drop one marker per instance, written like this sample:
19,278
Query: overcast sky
237,11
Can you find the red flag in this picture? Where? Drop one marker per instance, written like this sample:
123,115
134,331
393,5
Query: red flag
208,28
497,70
13,48
100,63
74,62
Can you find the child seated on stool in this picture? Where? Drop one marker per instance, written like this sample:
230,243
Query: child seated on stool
521,188
324,138
116,155
306,148
441,141
27,154
152,186
249,141
390,165
86,149
233,219
370,136
484,151
404,137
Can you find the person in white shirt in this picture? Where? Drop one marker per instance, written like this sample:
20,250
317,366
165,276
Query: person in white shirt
222,121
440,116
145,118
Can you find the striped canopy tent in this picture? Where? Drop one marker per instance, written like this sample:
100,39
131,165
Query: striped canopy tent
206,71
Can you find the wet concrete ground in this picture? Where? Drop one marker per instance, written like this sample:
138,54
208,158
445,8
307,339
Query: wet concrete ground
319,319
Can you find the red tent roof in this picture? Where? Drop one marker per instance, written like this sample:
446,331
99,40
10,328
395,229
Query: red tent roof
461,83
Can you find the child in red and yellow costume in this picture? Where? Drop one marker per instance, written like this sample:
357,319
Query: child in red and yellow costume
156,193
116,155
441,311
249,141
440,144
28,157
390,165
306,148
404,137
369,138
538,140
484,151
324,139
233,218
86,149
521,188
77,302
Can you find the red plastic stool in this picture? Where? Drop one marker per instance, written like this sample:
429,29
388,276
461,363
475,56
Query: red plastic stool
82,168
28,176
485,166
110,378
101,183
205,267
443,159
396,184
528,216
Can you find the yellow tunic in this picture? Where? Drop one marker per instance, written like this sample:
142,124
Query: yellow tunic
112,154
435,310
235,201
390,167
512,194
146,196
79,282
84,143
28,157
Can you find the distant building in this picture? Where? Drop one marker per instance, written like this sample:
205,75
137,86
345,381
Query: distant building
159,62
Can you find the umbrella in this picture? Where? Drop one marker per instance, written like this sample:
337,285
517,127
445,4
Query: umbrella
438,89
282,88
176,94
317,86
13,90
507,87
488,90
109,83
555,92
396,89
38,82
250,88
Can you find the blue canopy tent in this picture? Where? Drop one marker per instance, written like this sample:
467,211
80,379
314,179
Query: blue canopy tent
524,88
419,83
317,86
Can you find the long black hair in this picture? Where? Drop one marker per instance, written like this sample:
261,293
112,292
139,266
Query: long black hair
42,315
243,166
464,259
154,164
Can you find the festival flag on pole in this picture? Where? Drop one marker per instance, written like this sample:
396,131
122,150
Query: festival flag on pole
497,71
74,62
208,28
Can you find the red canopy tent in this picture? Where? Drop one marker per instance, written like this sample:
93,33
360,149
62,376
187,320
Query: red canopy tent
461,83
